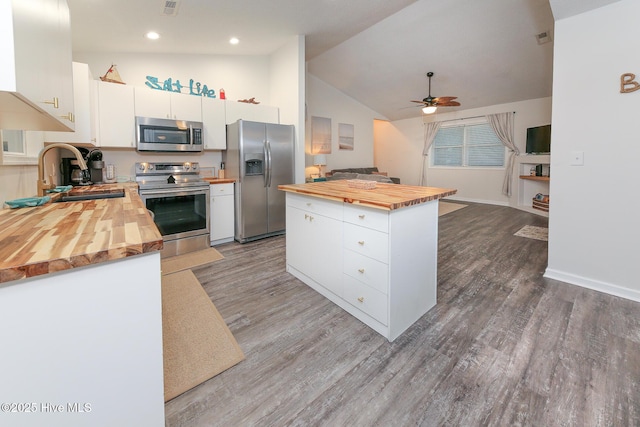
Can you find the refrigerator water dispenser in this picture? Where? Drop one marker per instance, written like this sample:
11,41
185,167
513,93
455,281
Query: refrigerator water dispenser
254,167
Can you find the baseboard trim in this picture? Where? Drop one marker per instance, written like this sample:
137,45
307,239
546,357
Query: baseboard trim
595,285
466,199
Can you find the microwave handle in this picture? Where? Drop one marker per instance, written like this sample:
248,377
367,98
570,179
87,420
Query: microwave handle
190,134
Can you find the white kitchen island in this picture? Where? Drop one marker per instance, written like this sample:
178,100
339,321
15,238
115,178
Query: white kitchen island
371,252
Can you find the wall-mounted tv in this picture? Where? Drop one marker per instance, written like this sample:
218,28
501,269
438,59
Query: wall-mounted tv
539,140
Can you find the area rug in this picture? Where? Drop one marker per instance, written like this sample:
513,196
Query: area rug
196,341
533,232
446,207
189,260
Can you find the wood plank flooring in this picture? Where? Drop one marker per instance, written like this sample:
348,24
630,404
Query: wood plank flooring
503,346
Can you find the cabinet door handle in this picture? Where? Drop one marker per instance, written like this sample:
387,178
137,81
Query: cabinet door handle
68,116
361,299
361,216
361,270
361,242
53,102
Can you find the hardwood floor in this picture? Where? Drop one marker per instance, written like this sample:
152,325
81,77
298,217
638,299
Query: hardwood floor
503,346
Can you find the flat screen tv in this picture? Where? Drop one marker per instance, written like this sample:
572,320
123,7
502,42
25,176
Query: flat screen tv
539,140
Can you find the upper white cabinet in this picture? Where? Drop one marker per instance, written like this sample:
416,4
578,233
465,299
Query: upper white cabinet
213,120
35,41
116,115
167,105
84,99
252,112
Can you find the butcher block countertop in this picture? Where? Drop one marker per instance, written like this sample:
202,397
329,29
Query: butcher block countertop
384,196
213,180
60,236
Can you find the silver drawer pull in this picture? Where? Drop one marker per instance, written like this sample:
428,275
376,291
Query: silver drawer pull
309,217
361,270
361,299
361,216
361,242
308,204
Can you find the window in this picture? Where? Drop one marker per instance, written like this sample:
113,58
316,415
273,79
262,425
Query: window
469,145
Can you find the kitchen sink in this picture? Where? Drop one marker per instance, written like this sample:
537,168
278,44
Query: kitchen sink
91,196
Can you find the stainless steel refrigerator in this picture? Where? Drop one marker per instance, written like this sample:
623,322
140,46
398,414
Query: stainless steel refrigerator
259,157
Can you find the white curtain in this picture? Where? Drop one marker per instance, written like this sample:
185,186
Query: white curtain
430,131
502,125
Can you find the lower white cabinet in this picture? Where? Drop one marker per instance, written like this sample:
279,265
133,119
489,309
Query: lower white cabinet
378,265
222,213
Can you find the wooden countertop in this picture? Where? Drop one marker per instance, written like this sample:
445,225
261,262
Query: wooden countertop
59,236
384,196
213,180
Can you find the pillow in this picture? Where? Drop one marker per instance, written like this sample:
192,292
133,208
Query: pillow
371,177
342,175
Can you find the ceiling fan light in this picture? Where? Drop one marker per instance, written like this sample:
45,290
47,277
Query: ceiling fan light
429,109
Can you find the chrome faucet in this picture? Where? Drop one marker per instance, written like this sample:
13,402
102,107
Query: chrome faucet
43,186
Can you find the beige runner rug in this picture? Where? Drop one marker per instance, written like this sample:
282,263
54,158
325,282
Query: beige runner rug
189,260
196,341
446,207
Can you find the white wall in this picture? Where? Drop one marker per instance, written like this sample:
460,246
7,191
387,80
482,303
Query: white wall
241,77
287,84
399,145
593,218
324,100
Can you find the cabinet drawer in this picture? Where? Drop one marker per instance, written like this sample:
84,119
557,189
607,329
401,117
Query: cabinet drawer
368,242
316,205
365,299
221,189
367,270
367,217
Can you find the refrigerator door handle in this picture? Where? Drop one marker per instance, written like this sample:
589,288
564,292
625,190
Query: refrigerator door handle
268,160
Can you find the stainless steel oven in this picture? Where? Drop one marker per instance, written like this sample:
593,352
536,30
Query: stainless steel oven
179,202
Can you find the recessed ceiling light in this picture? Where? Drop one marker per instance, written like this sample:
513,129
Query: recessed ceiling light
234,40
152,35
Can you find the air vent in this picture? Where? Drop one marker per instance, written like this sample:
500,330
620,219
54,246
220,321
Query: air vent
170,7
543,37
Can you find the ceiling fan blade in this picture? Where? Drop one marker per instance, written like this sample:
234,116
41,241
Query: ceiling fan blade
419,102
445,98
448,104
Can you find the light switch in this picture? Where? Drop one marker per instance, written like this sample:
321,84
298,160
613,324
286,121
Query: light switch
577,158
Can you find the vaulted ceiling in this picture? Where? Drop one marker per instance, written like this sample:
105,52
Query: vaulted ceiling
375,51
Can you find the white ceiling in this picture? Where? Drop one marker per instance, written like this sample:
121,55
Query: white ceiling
376,51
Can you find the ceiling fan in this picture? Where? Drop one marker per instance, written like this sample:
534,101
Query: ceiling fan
431,103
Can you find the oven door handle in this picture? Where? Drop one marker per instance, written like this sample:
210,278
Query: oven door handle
173,191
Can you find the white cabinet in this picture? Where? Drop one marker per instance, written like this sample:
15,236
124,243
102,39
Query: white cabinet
214,124
35,37
251,112
222,213
84,99
167,105
314,241
116,115
378,265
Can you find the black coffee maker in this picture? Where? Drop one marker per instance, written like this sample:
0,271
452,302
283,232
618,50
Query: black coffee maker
71,172
96,166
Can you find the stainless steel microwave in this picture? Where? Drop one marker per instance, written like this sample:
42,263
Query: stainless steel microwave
168,135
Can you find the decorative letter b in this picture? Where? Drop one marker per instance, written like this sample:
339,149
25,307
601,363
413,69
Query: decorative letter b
628,79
